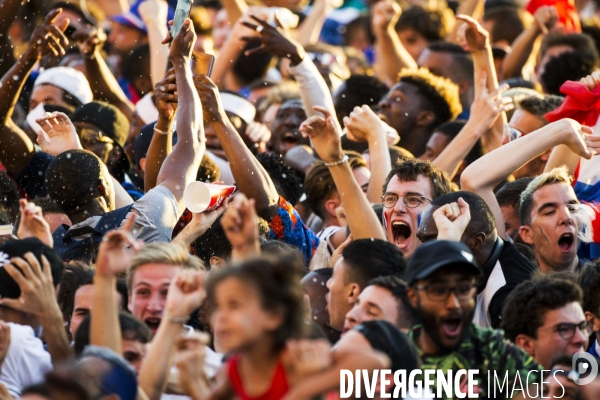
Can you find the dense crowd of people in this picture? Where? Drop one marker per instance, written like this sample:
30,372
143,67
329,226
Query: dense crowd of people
416,189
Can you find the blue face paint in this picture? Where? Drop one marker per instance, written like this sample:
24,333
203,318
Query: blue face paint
419,219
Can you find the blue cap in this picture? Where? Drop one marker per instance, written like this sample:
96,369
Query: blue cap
133,19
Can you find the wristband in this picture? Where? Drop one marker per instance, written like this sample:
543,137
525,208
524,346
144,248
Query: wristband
336,163
177,320
160,131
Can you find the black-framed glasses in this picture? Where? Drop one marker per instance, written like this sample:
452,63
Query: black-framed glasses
440,291
389,200
566,330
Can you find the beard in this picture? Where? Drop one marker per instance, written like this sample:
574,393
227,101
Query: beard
431,324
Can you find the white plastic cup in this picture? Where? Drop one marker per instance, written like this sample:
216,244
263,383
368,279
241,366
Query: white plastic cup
200,196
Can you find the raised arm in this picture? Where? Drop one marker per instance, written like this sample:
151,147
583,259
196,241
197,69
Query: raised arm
472,8
114,255
161,144
484,111
310,29
9,8
562,155
480,178
390,55
38,298
103,83
16,149
472,37
181,166
365,125
240,224
154,14
326,140
313,88
523,46
250,177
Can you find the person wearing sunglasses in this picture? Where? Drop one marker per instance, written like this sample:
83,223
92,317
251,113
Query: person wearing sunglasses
544,317
102,129
441,277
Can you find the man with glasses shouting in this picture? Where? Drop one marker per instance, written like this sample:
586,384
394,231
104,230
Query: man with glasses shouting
409,189
544,317
441,277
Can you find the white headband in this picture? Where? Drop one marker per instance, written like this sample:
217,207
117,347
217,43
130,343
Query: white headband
239,106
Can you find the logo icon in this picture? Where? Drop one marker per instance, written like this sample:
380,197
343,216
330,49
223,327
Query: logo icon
584,363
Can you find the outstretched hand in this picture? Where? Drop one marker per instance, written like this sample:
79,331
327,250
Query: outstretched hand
90,40
324,134
49,38
33,224
186,294
545,18
591,81
240,223
452,220
579,138
58,135
487,106
212,108
182,45
38,296
117,249
166,95
385,15
363,125
189,359
471,36
271,40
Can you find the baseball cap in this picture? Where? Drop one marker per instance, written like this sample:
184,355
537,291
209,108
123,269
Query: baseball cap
110,120
437,254
133,19
17,248
68,79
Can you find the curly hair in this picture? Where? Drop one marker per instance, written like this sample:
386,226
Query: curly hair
286,179
569,66
409,171
278,285
524,309
430,23
440,94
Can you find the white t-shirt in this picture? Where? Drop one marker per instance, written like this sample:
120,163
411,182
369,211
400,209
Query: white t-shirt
26,362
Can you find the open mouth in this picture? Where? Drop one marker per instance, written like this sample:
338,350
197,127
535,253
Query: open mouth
401,232
451,327
566,241
289,137
152,323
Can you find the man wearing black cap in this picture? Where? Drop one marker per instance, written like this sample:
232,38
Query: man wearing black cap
442,276
102,129
502,265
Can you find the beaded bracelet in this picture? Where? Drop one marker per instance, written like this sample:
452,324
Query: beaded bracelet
336,163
